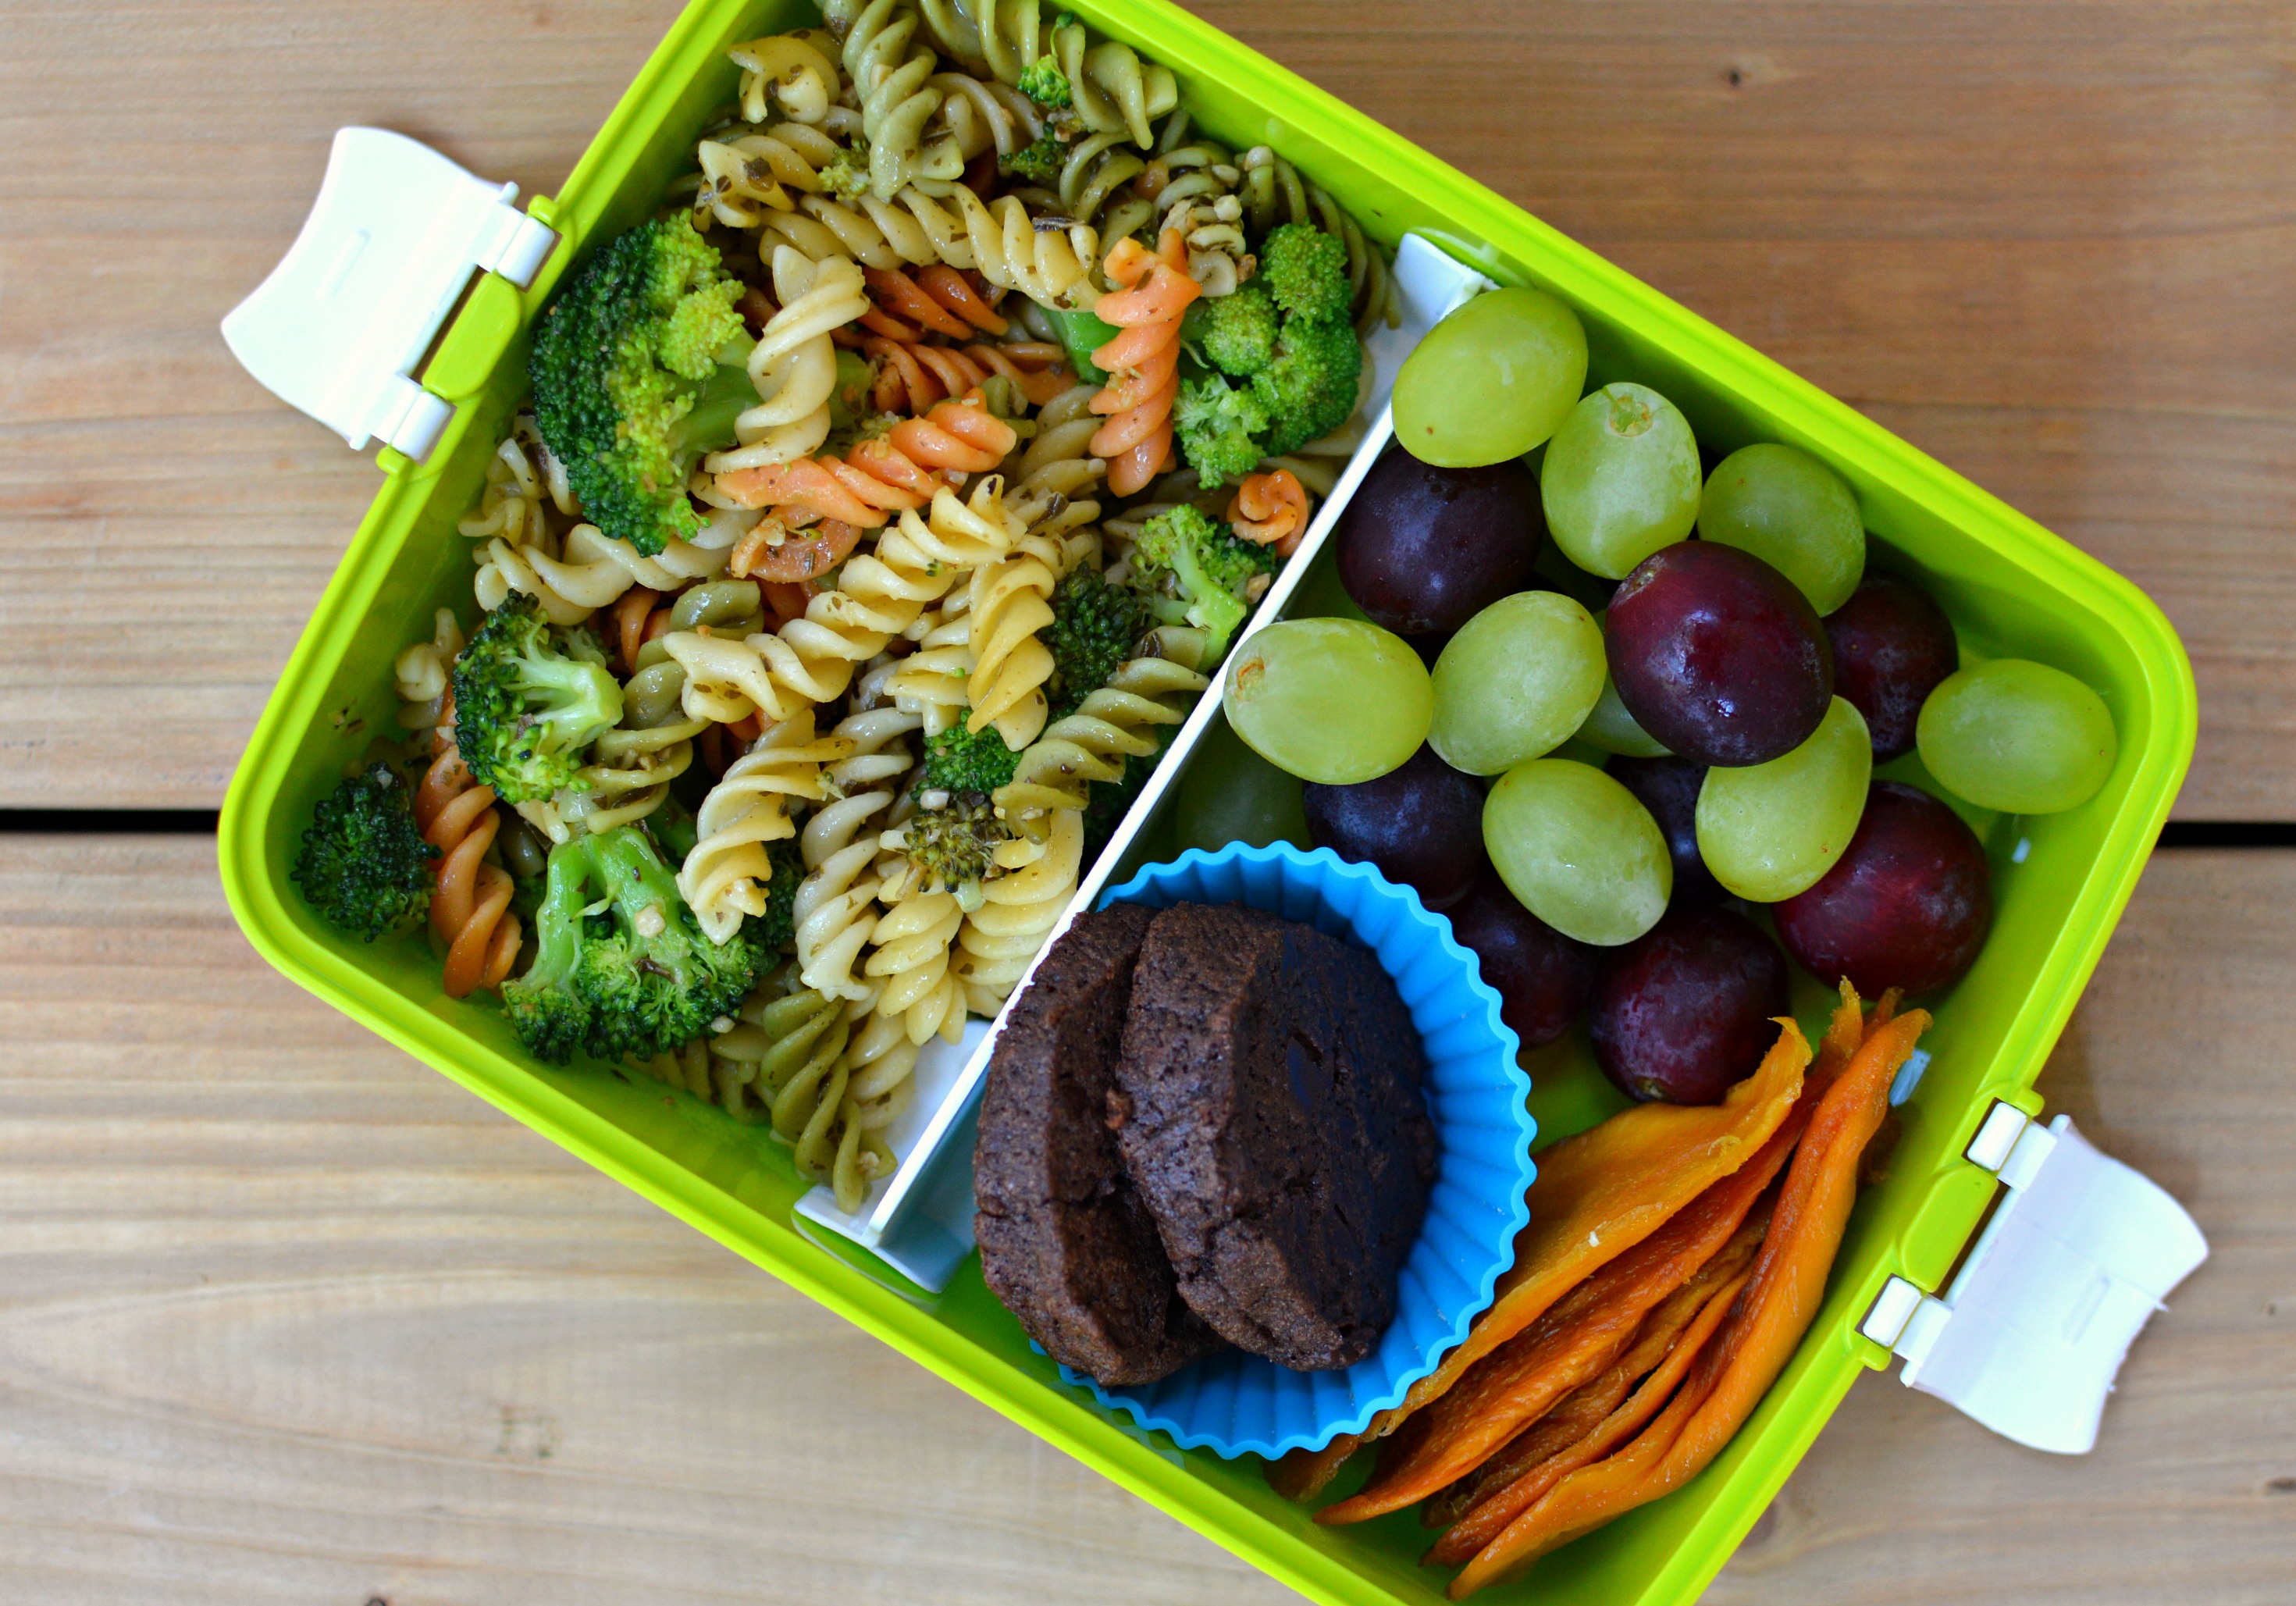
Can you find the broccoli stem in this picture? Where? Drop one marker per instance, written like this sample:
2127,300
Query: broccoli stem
724,396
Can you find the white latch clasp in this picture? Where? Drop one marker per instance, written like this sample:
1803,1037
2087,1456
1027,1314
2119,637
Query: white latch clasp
394,236
2033,1331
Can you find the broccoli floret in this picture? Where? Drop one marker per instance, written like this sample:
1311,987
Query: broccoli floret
1039,163
1221,427
1190,571
638,370
550,1017
958,760
1311,389
364,867
528,699
1043,82
846,175
776,929
652,980
636,976
1236,330
1306,270
955,844
1094,627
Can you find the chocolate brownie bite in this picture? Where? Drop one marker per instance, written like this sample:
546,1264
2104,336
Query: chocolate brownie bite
1272,1120
1065,1241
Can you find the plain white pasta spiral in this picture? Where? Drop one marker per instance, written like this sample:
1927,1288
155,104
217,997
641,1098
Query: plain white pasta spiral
879,595
796,72
835,909
891,70
1011,603
931,681
1120,721
520,476
910,959
591,572
1018,910
726,875
794,364
998,239
1114,90
422,673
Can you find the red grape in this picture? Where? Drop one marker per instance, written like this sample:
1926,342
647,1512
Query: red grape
1420,823
1907,906
1540,975
1669,789
1686,1009
1422,550
1717,655
1892,644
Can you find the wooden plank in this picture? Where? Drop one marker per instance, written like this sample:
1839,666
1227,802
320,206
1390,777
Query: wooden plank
2049,243
286,1317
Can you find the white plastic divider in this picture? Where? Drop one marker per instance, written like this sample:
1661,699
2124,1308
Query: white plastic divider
919,1219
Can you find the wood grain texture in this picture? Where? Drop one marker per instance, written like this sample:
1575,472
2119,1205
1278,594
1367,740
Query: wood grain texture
2050,244
285,1317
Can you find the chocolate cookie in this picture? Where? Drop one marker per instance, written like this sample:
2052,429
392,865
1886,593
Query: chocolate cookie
1273,1122
1064,1242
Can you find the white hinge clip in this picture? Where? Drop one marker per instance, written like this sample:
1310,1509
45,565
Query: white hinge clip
394,236
2077,1258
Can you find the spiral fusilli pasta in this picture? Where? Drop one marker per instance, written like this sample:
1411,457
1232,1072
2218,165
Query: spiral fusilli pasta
1271,508
795,73
1012,602
912,376
879,595
422,673
1143,361
896,472
1120,721
726,875
794,364
891,71
470,907
591,571
910,960
1018,910
996,238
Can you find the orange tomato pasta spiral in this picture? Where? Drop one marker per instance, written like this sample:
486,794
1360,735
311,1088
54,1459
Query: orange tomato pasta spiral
936,299
471,908
1270,509
896,472
913,375
1143,361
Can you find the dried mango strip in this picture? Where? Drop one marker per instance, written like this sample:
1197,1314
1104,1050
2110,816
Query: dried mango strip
1576,1342
1737,1368
1587,1425
1602,1192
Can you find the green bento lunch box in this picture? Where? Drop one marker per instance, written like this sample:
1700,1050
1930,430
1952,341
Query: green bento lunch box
2010,587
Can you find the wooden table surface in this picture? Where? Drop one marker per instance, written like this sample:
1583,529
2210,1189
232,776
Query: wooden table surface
286,1317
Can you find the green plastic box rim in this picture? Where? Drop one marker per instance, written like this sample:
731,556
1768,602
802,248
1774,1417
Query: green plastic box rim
2010,587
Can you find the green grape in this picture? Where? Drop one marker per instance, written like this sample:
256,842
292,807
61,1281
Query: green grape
1578,849
1231,794
1620,479
1795,513
1772,829
1491,381
1610,728
2017,736
1331,700
1516,681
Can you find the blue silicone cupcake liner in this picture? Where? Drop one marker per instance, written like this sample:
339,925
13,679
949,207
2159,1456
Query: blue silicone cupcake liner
1235,1404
